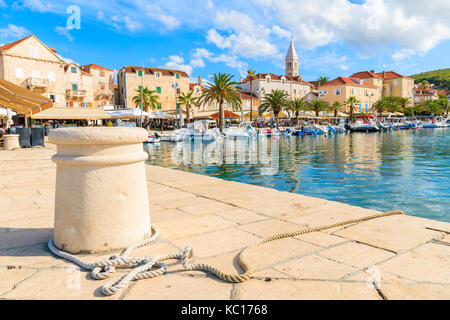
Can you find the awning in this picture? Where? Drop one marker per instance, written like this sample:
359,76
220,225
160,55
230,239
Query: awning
69,113
127,113
215,115
22,100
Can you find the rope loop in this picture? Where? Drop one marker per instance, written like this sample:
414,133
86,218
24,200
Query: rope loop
150,267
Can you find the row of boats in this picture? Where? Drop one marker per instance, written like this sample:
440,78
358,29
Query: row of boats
199,130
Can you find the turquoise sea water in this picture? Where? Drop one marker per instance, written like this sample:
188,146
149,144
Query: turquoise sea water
407,170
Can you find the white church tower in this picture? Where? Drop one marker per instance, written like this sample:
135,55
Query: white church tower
291,61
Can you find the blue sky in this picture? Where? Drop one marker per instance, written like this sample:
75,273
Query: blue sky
332,37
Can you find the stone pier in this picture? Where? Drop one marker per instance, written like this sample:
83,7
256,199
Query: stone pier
397,257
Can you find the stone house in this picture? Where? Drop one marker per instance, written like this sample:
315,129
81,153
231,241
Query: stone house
103,84
167,83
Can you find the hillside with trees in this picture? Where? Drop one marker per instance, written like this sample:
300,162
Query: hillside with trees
440,78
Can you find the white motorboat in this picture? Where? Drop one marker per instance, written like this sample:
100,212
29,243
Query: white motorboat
243,131
198,130
171,137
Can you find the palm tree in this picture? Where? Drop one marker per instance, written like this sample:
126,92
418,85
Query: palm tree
296,106
251,73
335,107
319,105
350,103
149,99
222,90
424,84
275,102
188,100
322,80
403,102
388,104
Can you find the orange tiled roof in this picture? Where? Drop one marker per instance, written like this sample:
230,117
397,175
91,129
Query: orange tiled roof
246,96
95,66
81,70
192,85
365,75
390,75
13,44
348,81
262,76
164,72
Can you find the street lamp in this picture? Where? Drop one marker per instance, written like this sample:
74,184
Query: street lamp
175,87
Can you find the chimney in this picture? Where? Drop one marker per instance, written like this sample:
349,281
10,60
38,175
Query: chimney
372,71
384,74
199,80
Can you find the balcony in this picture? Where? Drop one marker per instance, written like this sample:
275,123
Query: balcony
105,93
37,83
76,93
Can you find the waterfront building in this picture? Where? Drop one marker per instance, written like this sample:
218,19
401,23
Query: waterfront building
31,64
166,82
103,84
389,83
424,94
79,86
341,88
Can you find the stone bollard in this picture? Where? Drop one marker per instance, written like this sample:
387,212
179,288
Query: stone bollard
11,141
101,198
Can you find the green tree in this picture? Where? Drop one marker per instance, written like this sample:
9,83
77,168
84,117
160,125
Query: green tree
275,102
386,104
335,107
424,84
297,105
403,102
351,103
221,90
251,73
147,99
318,105
322,80
188,100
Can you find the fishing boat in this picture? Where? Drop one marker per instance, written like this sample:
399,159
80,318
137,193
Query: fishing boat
267,132
171,137
152,138
361,126
307,131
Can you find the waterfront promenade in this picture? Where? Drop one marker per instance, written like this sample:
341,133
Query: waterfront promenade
405,257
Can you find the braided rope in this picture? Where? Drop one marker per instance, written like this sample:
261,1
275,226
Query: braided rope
142,267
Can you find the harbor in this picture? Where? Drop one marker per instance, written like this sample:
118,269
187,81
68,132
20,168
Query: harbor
398,257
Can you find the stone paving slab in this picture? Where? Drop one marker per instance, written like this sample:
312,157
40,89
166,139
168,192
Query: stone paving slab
406,257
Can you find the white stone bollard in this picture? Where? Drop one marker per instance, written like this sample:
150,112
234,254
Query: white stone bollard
101,199
11,141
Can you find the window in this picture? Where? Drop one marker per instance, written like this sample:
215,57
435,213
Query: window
158,89
178,106
178,76
102,73
35,73
73,69
74,86
366,93
337,92
395,83
51,76
159,105
295,91
366,107
140,73
352,91
34,51
157,75
19,73
52,97
178,90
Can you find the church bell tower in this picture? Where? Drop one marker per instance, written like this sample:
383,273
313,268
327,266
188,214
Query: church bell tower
291,61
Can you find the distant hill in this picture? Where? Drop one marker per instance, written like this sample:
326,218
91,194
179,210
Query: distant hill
440,78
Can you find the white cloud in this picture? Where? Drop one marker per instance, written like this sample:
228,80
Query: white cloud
281,33
154,11
176,62
402,54
13,32
125,21
409,24
221,42
65,32
33,5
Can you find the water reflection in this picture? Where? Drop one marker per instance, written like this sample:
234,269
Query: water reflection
407,170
